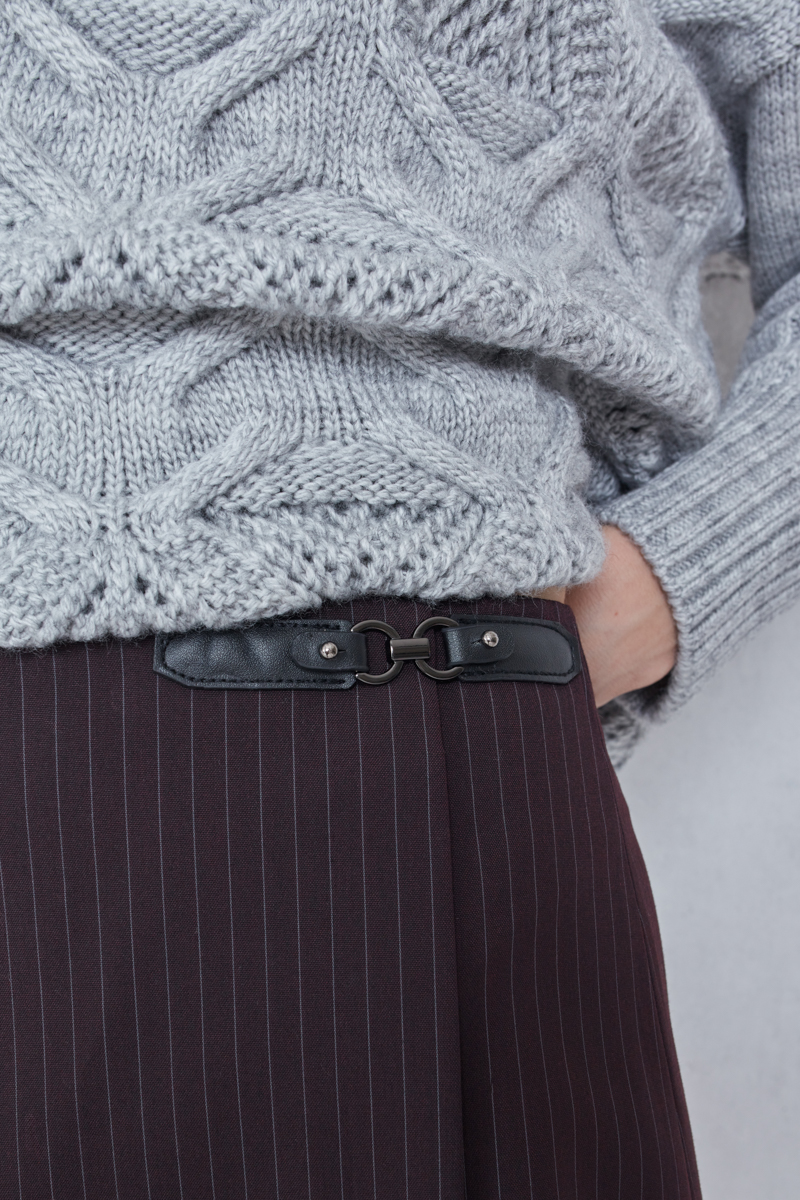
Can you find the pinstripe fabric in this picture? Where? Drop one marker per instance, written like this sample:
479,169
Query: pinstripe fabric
390,942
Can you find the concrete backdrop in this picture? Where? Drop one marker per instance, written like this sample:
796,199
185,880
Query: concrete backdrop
715,799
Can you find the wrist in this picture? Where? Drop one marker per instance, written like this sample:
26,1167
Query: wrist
626,625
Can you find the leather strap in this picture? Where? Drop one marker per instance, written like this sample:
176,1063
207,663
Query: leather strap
540,651
327,654
272,654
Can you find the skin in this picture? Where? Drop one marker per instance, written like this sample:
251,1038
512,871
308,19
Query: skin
625,622
626,625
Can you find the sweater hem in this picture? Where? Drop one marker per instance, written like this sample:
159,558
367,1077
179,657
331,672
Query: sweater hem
220,574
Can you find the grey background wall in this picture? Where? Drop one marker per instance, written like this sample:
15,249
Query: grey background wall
715,798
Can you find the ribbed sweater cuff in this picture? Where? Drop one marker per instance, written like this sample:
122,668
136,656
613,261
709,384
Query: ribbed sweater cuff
721,527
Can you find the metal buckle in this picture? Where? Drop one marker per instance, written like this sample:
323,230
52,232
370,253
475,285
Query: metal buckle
431,672
402,650
391,633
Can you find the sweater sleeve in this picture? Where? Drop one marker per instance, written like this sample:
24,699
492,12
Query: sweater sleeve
721,527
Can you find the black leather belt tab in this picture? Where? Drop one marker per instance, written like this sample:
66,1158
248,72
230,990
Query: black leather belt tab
540,651
329,654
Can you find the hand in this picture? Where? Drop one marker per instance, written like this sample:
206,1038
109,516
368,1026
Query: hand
626,625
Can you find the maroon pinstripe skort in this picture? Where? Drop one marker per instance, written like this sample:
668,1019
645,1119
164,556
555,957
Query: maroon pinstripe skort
386,942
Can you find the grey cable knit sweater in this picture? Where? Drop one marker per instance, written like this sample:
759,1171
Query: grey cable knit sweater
306,299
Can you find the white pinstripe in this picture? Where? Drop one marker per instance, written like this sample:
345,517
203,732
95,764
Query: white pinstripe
299,959
66,921
636,1011
399,926
577,922
601,1022
35,927
13,1028
485,943
366,949
536,936
130,915
513,938
333,946
166,950
199,946
617,965
266,955
624,857
424,724
99,922
654,1016
558,981
657,1029
233,950
636,1014
635,1007
616,982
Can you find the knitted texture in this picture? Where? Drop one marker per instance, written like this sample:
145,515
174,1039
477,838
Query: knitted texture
721,527
316,299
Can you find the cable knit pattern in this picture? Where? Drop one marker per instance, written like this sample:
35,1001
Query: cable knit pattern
307,299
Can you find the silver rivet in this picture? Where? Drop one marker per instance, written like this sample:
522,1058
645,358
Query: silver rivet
329,649
490,638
